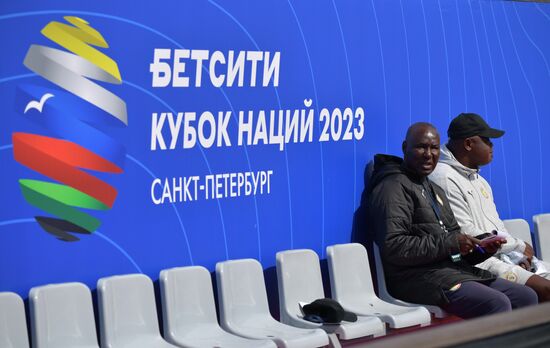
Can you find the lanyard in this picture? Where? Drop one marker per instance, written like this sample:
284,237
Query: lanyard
428,187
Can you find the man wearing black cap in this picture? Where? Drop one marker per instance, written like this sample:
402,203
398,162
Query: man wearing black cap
471,200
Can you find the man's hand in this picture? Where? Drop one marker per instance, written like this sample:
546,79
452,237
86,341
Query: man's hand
465,244
528,252
525,264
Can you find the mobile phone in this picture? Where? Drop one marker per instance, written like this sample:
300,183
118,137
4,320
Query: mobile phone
489,240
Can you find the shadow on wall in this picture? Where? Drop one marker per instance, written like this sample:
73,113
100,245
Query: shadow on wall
359,226
359,230
270,275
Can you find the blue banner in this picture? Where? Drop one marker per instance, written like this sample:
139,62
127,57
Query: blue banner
137,136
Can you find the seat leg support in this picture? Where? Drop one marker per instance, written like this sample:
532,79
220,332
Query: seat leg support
333,341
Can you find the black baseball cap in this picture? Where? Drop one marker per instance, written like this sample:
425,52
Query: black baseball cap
328,310
468,125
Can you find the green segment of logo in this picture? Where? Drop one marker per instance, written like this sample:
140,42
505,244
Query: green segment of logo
59,200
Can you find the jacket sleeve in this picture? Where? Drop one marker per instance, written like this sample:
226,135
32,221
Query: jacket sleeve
512,244
392,216
462,213
476,257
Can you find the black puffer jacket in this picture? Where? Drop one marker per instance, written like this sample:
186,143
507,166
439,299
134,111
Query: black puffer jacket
416,251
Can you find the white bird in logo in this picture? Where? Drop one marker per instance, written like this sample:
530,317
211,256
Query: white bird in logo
38,105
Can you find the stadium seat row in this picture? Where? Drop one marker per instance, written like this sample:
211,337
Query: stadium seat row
62,315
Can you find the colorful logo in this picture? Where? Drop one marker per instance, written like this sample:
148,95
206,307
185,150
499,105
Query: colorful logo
74,115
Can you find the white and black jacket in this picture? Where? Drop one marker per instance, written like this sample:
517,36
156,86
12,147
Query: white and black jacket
471,199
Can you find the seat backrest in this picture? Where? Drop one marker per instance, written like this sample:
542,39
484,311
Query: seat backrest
542,232
13,326
127,309
187,300
349,271
299,280
241,291
519,228
62,315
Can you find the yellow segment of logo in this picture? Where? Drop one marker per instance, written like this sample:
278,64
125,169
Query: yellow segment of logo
78,39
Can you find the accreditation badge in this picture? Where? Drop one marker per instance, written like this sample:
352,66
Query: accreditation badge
511,276
484,193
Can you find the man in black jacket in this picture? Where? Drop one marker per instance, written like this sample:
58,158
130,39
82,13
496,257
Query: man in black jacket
426,258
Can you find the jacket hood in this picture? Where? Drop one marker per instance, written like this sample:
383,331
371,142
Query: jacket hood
447,157
384,166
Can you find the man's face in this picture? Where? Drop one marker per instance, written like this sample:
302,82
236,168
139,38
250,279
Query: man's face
480,150
421,151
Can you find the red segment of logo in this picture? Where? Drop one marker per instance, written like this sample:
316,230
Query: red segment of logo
61,159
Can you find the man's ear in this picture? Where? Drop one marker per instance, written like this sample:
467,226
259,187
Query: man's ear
404,146
468,144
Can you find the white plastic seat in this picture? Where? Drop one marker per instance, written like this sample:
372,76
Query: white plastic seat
189,311
351,284
438,312
244,310
62,315
13,326
299,280
542,233
519,228
128,313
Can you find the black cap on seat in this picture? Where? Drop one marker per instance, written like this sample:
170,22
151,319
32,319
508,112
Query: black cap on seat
329,311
